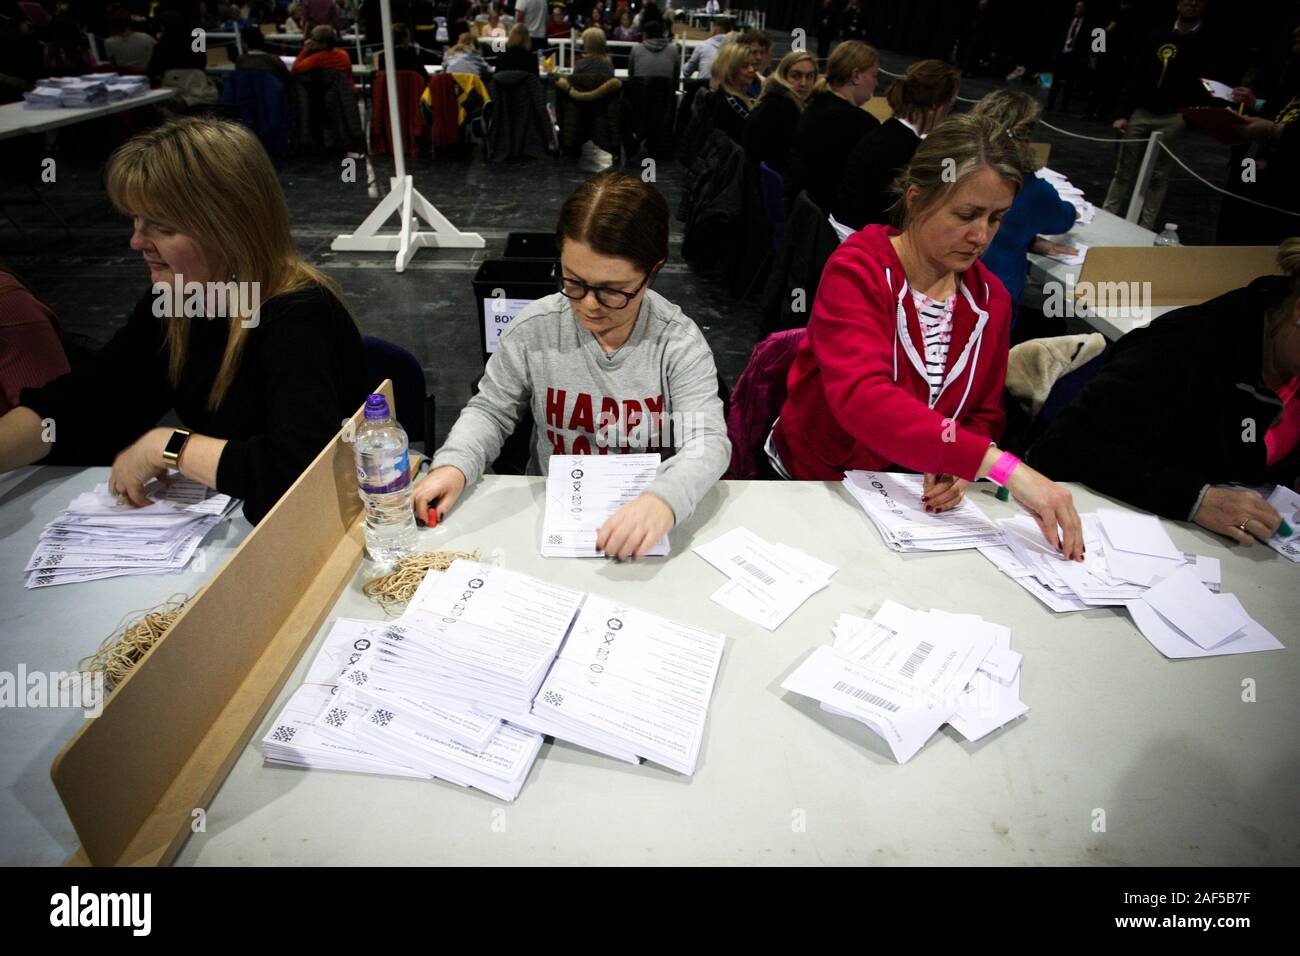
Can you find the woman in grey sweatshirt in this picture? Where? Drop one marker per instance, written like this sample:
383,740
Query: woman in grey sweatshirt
607,366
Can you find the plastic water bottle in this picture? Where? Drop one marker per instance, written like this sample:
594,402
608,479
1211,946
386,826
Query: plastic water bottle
1169,237
384,483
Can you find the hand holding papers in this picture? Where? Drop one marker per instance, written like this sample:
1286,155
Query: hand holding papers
99,537
583,492
905,673
768,581
893,503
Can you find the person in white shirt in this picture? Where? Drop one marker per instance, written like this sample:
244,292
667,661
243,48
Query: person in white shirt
532,14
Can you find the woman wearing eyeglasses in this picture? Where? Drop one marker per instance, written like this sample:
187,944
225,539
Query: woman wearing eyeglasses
607,366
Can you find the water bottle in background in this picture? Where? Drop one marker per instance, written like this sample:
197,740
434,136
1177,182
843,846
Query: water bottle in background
384,482
1169,237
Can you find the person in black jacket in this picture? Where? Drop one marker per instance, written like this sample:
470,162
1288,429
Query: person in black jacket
832,124
518,54
1202,397
920,100
248,344
405,55
770,130
1073,45
732,72
828,25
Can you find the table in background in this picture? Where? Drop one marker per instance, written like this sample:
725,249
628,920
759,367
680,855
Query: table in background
50,630
17,121
1184,770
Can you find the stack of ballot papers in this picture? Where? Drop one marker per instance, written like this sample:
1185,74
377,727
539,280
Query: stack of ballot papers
893,503
766,582
1182,618
100,537
583,492
89,91
330,724
454,689
124,87
43,98
905,673
1287,503
1084,210
630,684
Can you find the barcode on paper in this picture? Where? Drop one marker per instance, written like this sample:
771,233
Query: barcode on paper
866,695
754,569
917,659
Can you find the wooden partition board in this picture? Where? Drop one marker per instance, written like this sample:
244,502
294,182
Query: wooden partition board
1041,152
1179,275
170,732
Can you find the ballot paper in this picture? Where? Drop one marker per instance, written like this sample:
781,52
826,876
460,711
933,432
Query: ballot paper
768,582
631,683
1085,211
905,673
1287,503
1186,603
1216,89
893,503
583,492
1166,637
99,537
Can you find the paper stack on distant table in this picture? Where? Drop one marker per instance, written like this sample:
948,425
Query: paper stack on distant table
583,492
100,537
767,582
905,673
1085,212
893,503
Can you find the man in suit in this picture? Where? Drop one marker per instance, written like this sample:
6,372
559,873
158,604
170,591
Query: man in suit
1073,47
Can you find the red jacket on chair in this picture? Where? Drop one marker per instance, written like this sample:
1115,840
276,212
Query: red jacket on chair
415,126
858,395
444,112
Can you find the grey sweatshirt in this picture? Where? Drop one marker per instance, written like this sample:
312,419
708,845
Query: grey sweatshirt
659,392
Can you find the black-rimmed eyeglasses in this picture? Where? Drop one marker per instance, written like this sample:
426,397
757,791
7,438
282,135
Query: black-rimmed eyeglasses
572,288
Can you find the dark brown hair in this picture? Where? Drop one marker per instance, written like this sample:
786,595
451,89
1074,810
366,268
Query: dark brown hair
617,215
925,85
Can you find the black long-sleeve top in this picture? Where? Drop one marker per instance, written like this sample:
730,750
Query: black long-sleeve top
300,375
769,132
864,194
1179,405
1166,72
827,132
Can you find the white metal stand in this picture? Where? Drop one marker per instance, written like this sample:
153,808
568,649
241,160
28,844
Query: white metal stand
1143,183
403,198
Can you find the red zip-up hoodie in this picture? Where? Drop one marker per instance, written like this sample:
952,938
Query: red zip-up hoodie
857,395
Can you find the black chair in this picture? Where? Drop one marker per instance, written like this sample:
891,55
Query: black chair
415,408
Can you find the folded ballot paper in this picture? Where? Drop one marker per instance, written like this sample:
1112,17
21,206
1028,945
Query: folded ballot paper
905,673
893,503
766,582
1182,618
583,492
100,537
454,689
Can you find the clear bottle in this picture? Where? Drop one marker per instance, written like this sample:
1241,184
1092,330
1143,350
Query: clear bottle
1169,237
384,483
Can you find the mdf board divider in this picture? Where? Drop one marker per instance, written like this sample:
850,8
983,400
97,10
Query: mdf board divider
170,732
1179,275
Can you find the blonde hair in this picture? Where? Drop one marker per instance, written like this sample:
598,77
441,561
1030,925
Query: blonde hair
1015,114
779,81
1288,263
519,36
725,72
210,179
1288,257
955,150
845,60
593,44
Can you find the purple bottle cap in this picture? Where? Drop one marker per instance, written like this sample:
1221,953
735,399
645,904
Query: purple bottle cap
376,408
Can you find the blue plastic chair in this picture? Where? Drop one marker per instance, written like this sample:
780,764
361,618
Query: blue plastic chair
415,408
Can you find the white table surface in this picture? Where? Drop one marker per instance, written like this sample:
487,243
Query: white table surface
50,630
1185,771
16,121
1106,229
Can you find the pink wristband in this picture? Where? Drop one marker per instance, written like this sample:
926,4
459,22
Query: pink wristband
1001,471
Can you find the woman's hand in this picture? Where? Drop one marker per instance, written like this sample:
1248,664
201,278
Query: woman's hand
636,527
443,486
1045,247
1052,506
943,492
138,464
1241,515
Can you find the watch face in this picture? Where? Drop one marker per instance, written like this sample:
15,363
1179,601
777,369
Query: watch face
175,444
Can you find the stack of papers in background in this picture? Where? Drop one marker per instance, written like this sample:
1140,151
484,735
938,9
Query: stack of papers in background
124,87
99,537
893,503
905,673
1071,193
583,492
90,91
630,685
768,582
43,98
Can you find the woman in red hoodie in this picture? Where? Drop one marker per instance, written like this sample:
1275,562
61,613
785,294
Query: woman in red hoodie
905,359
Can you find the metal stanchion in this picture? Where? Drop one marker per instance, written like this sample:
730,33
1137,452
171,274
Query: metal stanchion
1139,197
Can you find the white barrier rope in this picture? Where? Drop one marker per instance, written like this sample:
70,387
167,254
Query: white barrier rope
1220,189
